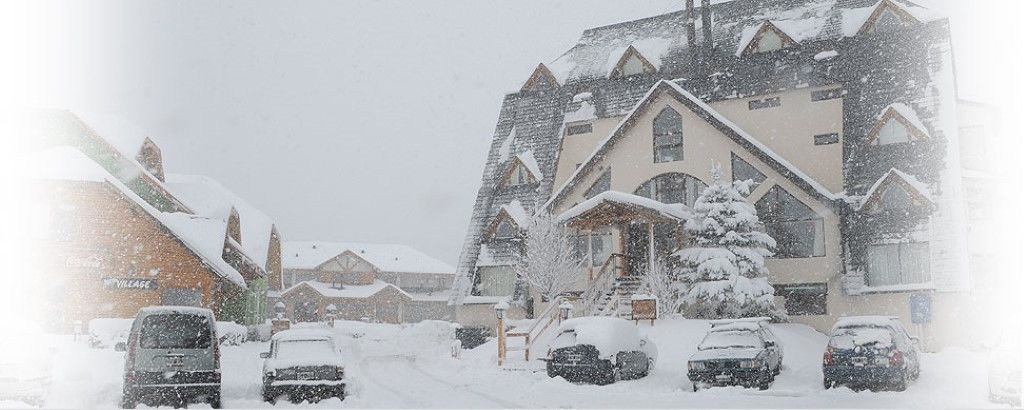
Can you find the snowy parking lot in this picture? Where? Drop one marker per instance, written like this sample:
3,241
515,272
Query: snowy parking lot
410,366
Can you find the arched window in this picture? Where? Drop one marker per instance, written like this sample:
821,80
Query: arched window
769,41
672,188
797,230
893,131
668,136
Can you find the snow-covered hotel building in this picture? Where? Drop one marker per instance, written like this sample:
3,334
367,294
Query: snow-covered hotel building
843,112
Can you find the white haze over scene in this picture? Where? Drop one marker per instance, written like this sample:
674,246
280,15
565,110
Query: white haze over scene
351,120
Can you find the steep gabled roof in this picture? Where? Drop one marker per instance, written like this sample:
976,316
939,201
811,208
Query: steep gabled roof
346,291
914,186
209,198
752,35
904,114
704,111
385,257
204,237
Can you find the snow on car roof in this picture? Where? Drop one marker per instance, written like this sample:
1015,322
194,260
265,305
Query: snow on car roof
303,334
163,310
609,335
863,321
736,327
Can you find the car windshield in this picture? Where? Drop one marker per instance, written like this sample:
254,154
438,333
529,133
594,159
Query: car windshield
291,349
851,337
175,331
731,340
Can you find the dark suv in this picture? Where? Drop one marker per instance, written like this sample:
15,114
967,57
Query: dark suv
870,351
601,350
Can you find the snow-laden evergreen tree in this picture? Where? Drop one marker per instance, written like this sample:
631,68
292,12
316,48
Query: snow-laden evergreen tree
547,262
724,268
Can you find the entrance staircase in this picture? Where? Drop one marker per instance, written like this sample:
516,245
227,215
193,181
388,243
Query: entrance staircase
609,294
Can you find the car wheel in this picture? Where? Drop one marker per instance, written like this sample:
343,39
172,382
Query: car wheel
551,370
696,388
647,371
829,383
766,379
900,384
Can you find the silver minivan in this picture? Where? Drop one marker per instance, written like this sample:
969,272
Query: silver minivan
172,357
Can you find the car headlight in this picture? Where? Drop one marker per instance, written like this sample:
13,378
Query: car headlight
697,366
286,373
750,364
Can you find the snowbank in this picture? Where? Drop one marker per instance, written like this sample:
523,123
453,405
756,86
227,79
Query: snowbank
231,333
105,333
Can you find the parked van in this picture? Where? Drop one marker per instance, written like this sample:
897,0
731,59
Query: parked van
172,357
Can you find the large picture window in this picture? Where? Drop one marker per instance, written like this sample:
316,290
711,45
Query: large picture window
742,171
603,183
797,230
898,264
668,136
496,281
672,188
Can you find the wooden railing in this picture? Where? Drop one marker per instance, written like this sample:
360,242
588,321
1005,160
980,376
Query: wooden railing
540,324
603,281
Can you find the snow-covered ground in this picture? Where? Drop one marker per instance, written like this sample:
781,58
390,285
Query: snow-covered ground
411,366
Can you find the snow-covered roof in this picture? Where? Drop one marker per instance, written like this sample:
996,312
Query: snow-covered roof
663,38
346,291
207,197
907,113
385,257
854,19
515,210
530,162
505,150
920,187
430,296
204,236
678,212
191,310
732,130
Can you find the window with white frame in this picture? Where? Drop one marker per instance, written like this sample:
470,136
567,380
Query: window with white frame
668,136
797,230
632,66
496,280
898,264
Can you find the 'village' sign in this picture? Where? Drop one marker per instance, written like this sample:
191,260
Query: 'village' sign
129,283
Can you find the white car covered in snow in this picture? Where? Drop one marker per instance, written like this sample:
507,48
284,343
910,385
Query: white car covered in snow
600,350
736,352
304,364
24,363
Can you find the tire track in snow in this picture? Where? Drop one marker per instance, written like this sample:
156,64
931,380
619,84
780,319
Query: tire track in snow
411,402
500,402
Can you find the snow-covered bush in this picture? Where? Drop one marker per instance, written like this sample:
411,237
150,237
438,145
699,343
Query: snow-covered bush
661,283
724,268
548,263
105,333
231,333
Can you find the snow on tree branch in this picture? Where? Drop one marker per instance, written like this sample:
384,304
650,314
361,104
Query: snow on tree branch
548,262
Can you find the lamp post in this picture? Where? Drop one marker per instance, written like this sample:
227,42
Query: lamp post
564,310
279,310
499,310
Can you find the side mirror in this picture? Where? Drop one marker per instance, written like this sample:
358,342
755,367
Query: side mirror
264,355
120,347
769,343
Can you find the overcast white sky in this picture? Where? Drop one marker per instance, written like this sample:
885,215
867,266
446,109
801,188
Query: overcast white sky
348,120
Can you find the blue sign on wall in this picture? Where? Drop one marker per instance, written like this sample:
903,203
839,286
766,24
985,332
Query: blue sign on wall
920,308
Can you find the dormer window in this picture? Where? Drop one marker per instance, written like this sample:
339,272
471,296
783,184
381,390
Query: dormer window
505,230
762,39
887,17
898,123
509,222
632,63
522,170
541,80
895,191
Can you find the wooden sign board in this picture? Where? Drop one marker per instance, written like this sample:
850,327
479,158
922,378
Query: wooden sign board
277,325
645,309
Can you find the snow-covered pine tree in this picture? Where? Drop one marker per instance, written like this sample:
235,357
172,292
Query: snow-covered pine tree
547,261
724,268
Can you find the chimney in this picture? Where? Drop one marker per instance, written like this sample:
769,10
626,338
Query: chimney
705,20
691,28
